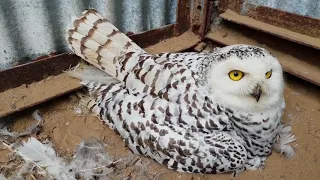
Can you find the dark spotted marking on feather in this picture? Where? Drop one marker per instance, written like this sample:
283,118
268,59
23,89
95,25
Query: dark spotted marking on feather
154,119
199,114
155,78
174,165
91,31
143,78
125,60
116,131
82,47
229,110
109,118
165,162
158,146
240,128
267,128
134,128
166,96
151,126
186,99
156,129
125,126
199,163
163,132
120,111
142,110
265,120
139,150
194,105
114,32
184,78
128,44
76,23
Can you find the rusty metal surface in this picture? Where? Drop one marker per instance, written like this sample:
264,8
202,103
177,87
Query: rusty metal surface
36,71
175,44
310,8
23,97
183,17
235,5
271,29
199,16
210,14
152,37
293,22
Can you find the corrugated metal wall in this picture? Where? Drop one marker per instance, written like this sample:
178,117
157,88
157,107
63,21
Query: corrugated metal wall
32,28
309,8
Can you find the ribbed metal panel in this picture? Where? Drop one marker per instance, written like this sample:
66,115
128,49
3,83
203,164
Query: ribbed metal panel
309,8
32,28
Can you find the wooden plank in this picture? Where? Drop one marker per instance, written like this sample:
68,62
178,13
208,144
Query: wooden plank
271,29
154,36
25,96
36,70
303,64
175,44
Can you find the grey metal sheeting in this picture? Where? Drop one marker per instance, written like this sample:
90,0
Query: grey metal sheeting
32,28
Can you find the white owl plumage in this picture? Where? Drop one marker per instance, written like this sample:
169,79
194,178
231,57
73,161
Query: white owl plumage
192,112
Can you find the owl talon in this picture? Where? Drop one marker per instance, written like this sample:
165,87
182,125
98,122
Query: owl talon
256,164
285,137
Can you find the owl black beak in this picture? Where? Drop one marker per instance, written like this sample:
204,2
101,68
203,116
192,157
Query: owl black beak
257,92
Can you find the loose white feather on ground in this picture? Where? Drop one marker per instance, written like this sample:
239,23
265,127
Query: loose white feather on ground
44,157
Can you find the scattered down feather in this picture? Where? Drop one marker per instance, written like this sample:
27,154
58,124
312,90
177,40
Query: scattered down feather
44,157
90,73
91,160
5,132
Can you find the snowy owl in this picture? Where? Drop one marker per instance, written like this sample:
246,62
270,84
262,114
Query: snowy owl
193,112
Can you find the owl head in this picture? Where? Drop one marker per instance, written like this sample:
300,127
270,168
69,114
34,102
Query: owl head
246,78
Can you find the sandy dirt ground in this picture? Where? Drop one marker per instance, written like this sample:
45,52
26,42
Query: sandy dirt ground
66,129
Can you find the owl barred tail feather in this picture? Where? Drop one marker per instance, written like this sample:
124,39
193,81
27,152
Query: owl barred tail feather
99,42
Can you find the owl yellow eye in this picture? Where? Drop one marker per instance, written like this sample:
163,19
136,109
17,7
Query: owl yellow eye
268,74
235,75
